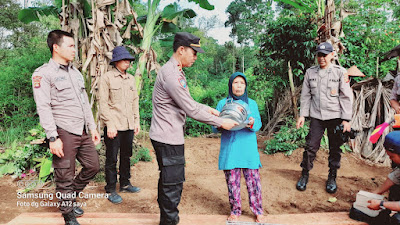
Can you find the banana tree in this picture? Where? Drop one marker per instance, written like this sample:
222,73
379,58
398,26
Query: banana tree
97,27
167,21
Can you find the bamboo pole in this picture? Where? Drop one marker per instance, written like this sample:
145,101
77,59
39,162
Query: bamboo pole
377,67
292,91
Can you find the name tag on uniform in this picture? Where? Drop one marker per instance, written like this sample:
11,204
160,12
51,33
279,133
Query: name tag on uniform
313,79
334,80
60,78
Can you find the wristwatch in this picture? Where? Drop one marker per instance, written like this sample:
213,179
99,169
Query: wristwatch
381,205
52,139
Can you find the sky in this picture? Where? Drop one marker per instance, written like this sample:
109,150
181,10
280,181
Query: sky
220,33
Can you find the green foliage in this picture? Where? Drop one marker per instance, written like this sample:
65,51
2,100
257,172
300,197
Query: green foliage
140,154
14,33
248,19
17,106
203,4
287,39
345,148
18,159
32,13
287,139
369,34
171,11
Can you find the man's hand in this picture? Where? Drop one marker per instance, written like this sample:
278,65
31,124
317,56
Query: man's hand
111,133
374,204
229,124
95,137
213,111
251,122
395,105
137,130
56,148
346,126
300,122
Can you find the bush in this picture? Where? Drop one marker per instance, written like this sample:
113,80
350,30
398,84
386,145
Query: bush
140,154
17,106
287,139
17,160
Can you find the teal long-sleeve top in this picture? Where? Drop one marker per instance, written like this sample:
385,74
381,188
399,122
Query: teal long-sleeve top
239,148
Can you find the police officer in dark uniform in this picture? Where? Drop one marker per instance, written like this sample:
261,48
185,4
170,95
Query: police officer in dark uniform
66,116
171,103
326,98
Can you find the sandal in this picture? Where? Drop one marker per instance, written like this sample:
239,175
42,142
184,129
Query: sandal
233,218
261,218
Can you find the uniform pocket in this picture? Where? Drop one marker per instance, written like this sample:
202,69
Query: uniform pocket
115,91
173,170
61,163
333,88
64,91
313,87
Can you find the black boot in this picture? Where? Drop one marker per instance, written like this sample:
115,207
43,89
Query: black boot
302,183
78,211
70,218
331,182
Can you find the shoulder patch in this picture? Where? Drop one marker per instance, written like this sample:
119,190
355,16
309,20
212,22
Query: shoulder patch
182,82
36,81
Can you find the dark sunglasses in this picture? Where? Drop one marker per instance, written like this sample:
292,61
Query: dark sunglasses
320,54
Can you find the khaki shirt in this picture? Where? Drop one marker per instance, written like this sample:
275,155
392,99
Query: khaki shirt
172,102
326,94
396,88
119,101
61,99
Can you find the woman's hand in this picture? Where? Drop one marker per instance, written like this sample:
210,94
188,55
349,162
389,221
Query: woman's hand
251,122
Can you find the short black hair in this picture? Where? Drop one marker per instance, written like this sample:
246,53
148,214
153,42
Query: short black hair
56,37
176,45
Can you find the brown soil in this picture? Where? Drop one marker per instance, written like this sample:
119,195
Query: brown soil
205,188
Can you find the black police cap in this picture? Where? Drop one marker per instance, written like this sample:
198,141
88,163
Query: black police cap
189,40
324,47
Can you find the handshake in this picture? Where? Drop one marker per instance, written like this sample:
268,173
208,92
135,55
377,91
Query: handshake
346,135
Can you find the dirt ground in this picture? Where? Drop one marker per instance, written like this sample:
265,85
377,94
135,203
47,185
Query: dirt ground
205,189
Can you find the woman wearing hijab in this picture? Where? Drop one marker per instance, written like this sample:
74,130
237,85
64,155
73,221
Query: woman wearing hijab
239,152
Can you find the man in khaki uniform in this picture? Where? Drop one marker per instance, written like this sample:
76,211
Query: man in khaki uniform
326,98
66,116
119,112
171,103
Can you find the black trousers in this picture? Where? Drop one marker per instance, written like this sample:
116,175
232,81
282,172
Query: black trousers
171,164
78,147
313,142
122,141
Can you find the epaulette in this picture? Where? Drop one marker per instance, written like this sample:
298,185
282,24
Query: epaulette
40,67
340,68
313,68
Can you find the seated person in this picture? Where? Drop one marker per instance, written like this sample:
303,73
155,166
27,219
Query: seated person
392,183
